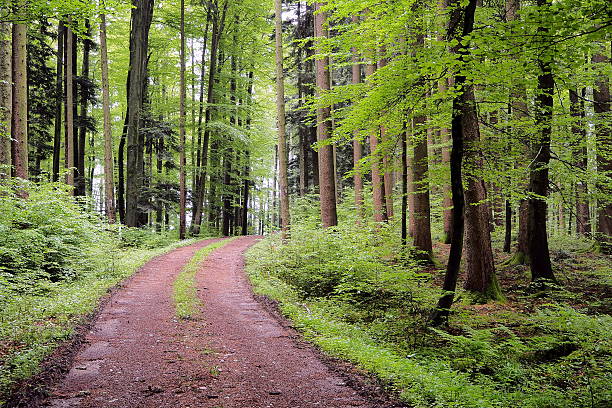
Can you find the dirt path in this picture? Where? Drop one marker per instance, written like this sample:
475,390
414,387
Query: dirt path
235,354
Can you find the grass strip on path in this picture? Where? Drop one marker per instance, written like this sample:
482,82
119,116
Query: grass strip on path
185,293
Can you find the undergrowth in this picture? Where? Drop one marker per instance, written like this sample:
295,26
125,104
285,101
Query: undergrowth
358,295
186,300
56,261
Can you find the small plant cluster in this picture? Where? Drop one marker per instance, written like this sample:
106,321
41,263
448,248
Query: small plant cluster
358,295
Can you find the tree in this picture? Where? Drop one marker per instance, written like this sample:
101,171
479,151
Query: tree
142,14
539,255
182,164
460,26
280,112
19,124
69,135
6,98
59,99
327,176
357,147
109,185
601,96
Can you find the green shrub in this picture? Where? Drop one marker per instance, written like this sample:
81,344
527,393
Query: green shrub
45,237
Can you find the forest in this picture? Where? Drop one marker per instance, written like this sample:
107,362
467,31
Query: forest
420,189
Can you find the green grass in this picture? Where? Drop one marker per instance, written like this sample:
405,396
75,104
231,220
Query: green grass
185,293
544,355
33,325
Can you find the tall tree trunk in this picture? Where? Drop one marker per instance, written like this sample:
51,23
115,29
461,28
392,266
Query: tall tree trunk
447,202
280,121
19,125
378,192
520,110
404,218
197,183
81,179
217,32
6,98
539,255
583,218
420,187
247,165
121,164
142,14
182,163
357,147
59,99
69,136
109,185
462,109
601,96
327,182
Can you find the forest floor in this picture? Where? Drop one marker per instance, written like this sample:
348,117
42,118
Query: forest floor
238,352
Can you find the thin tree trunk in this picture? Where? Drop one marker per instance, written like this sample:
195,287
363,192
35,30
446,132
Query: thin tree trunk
59,100
19,125
539,255
81,179
109,187
520,110
121,164
69,137
420,187
182,163
327,180
378,193
357,147
197,182
280,120
583,218
404,187
447,203
601,96
6,99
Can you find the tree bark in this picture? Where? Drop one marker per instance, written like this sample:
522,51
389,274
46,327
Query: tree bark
59,99
182,162
539,255
357,147
461,25
6,99
19,124
420,187
378,192
280,120
69,137
603,135
520,110
583,218
327,182
142,14
447,203
81,179
109,185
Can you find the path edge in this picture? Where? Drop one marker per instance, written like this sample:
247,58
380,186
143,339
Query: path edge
33,392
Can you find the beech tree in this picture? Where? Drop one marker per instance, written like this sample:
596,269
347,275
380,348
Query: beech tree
280,109
327,176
